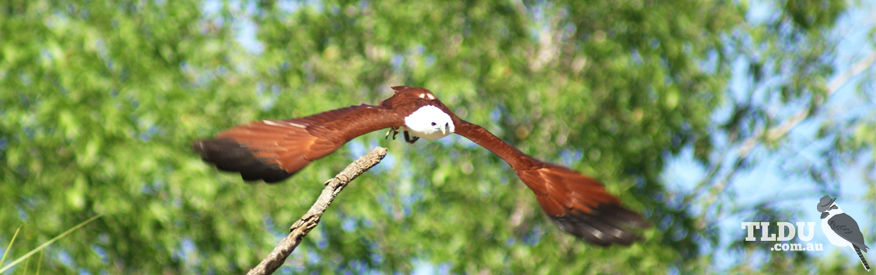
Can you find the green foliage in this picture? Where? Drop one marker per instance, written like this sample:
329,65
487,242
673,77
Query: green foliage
102,99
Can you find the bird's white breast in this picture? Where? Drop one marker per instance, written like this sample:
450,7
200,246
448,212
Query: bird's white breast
429,122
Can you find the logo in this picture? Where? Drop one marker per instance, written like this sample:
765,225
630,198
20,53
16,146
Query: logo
804,231
839,228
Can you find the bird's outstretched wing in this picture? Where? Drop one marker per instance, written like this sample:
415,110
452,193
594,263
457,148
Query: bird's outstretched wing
577,203
848,229
273,150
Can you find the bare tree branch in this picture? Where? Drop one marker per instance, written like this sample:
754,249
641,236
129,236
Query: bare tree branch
773,134
307,222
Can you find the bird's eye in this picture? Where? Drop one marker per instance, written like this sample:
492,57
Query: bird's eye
433,123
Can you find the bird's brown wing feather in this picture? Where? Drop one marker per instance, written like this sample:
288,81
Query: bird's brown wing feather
273,150
577,203
581,206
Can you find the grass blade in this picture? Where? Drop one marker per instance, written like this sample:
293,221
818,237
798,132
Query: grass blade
39,263
45,244
9,246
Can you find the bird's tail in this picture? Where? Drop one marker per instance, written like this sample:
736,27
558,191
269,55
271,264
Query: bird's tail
863,260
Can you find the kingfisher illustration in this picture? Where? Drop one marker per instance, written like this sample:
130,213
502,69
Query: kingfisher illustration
841,229
273,150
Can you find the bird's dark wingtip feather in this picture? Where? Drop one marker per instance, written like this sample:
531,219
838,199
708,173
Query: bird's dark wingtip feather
605,225
228,155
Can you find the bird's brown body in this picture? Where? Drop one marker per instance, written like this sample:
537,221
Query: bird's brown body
272,150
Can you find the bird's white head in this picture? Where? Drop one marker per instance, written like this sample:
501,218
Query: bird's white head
832,211
429,122
835,209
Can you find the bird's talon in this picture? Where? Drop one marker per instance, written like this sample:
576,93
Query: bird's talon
410,139
393,130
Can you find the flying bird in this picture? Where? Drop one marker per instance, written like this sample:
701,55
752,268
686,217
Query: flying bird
841,230
273,150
